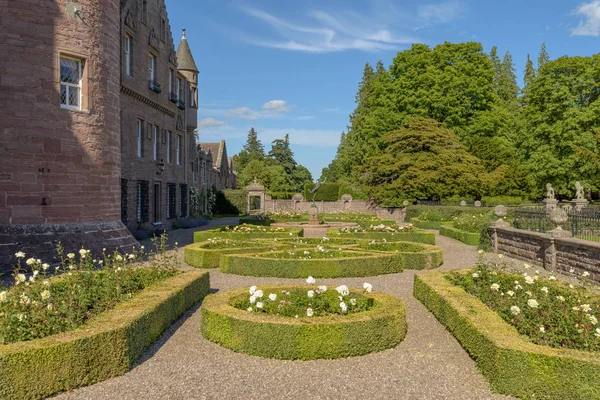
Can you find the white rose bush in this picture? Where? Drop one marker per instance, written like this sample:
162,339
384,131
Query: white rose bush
47,299
310,302
546,310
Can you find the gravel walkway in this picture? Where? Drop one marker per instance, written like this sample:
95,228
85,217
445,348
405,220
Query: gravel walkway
428,364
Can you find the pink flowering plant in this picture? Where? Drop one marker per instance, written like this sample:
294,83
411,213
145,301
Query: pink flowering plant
312,301
548,311
49,299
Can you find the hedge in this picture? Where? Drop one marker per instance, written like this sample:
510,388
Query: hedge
202,236
426,224
327,192
381,327
363,264
255,221
413,236
105,347
198,257
414,256
510,362
470,238
231,201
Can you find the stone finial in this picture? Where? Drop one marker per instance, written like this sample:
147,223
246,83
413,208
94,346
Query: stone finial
463,203
183,33
500,212
559,216
477,203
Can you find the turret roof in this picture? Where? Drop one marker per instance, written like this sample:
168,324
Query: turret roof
185,60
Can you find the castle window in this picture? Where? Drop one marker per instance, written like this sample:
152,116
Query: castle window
128,55
124,201
163,29
70,83
169,139
155,131
171,200
178,150
192,97
184,200
152,67
140,135
144,11
142,201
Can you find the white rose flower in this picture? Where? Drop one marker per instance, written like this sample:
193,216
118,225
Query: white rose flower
50,306
131,256
510,293
272,297
310,293
45,295
21,278
83,252
544,289
21,317
252,299
532,303
515,310
322,288
592,319
353,302
310,280
119,257
70,255
368,287
249,309
495,287
309,312
259,304
585,273
3,296
36,273
252,289
597,334
45,266
344,307
527,266
542,329
258,294
30,261
20,254
560,298
343,290
529,280
586,308
475,275
552,278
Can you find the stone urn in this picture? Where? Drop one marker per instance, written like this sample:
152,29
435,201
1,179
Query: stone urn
501,212
313,215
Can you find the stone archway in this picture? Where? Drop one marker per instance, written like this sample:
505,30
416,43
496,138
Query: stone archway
298,199
255,199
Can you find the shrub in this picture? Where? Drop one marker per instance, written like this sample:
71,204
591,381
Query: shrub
510,362
333,336
203,255
492,201
106,346
466,237
230,202
353,191
327,192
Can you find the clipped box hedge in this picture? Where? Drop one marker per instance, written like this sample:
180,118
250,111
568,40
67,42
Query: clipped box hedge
510,362
412,255
413,236
381,327
196,256
363,264
426,224
202,236
105,347
470,238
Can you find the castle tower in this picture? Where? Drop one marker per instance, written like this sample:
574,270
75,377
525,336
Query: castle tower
187,67
59,112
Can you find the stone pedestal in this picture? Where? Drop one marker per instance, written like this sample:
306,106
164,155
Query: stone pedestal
579,204
551,204
559,233
313,215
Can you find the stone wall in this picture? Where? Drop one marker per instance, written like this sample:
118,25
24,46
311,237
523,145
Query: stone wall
559,254
332,207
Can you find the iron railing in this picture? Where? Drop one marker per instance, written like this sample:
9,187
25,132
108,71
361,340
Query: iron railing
583,224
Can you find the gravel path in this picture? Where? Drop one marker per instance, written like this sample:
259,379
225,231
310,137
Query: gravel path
428,364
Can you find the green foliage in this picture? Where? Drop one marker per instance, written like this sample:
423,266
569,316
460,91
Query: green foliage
202,236
423,160
230,201
562,125
352,190
253,150
492,201
107,346
511,363
307,338
466,237
327,192
413,236
543,57
198,255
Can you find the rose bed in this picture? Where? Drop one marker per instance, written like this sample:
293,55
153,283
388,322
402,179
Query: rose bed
305,338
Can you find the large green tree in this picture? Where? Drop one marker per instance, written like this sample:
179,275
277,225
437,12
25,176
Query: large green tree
253,150
543,57
561,134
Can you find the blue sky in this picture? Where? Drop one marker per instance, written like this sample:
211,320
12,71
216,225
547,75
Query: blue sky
293,66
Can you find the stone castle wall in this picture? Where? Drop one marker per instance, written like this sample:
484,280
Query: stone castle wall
58,168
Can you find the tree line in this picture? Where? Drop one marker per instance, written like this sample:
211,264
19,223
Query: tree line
452,121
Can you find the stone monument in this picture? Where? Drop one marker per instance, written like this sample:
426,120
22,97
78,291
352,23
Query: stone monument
579,202
550,200
313,211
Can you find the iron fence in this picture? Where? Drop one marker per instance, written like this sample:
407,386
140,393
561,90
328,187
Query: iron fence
583,224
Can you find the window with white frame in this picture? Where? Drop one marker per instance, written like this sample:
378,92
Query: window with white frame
178,150
128,55
151,67
192,97
169,139
155,138
140,137
70,83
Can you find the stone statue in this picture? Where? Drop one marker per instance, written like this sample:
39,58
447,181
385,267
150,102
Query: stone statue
316,188
549,192
579,195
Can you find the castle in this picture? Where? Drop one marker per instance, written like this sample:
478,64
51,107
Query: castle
98,114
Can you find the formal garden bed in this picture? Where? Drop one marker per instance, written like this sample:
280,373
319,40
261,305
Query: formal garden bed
304,322
89,323
242,232
208,254
531,337
406,235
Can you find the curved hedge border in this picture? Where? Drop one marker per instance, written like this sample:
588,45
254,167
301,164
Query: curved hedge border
364,264
105,347
509,361
458,234
259,334
195,256
414,236
427,224
201,236
420,256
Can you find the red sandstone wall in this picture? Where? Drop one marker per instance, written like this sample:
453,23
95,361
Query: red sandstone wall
70,158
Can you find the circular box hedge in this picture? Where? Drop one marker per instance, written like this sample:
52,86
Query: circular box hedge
381,327
200,255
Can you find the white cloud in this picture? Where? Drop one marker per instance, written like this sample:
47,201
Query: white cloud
305,117
245,113
590,24
328,33
276,106
442,13
209,123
